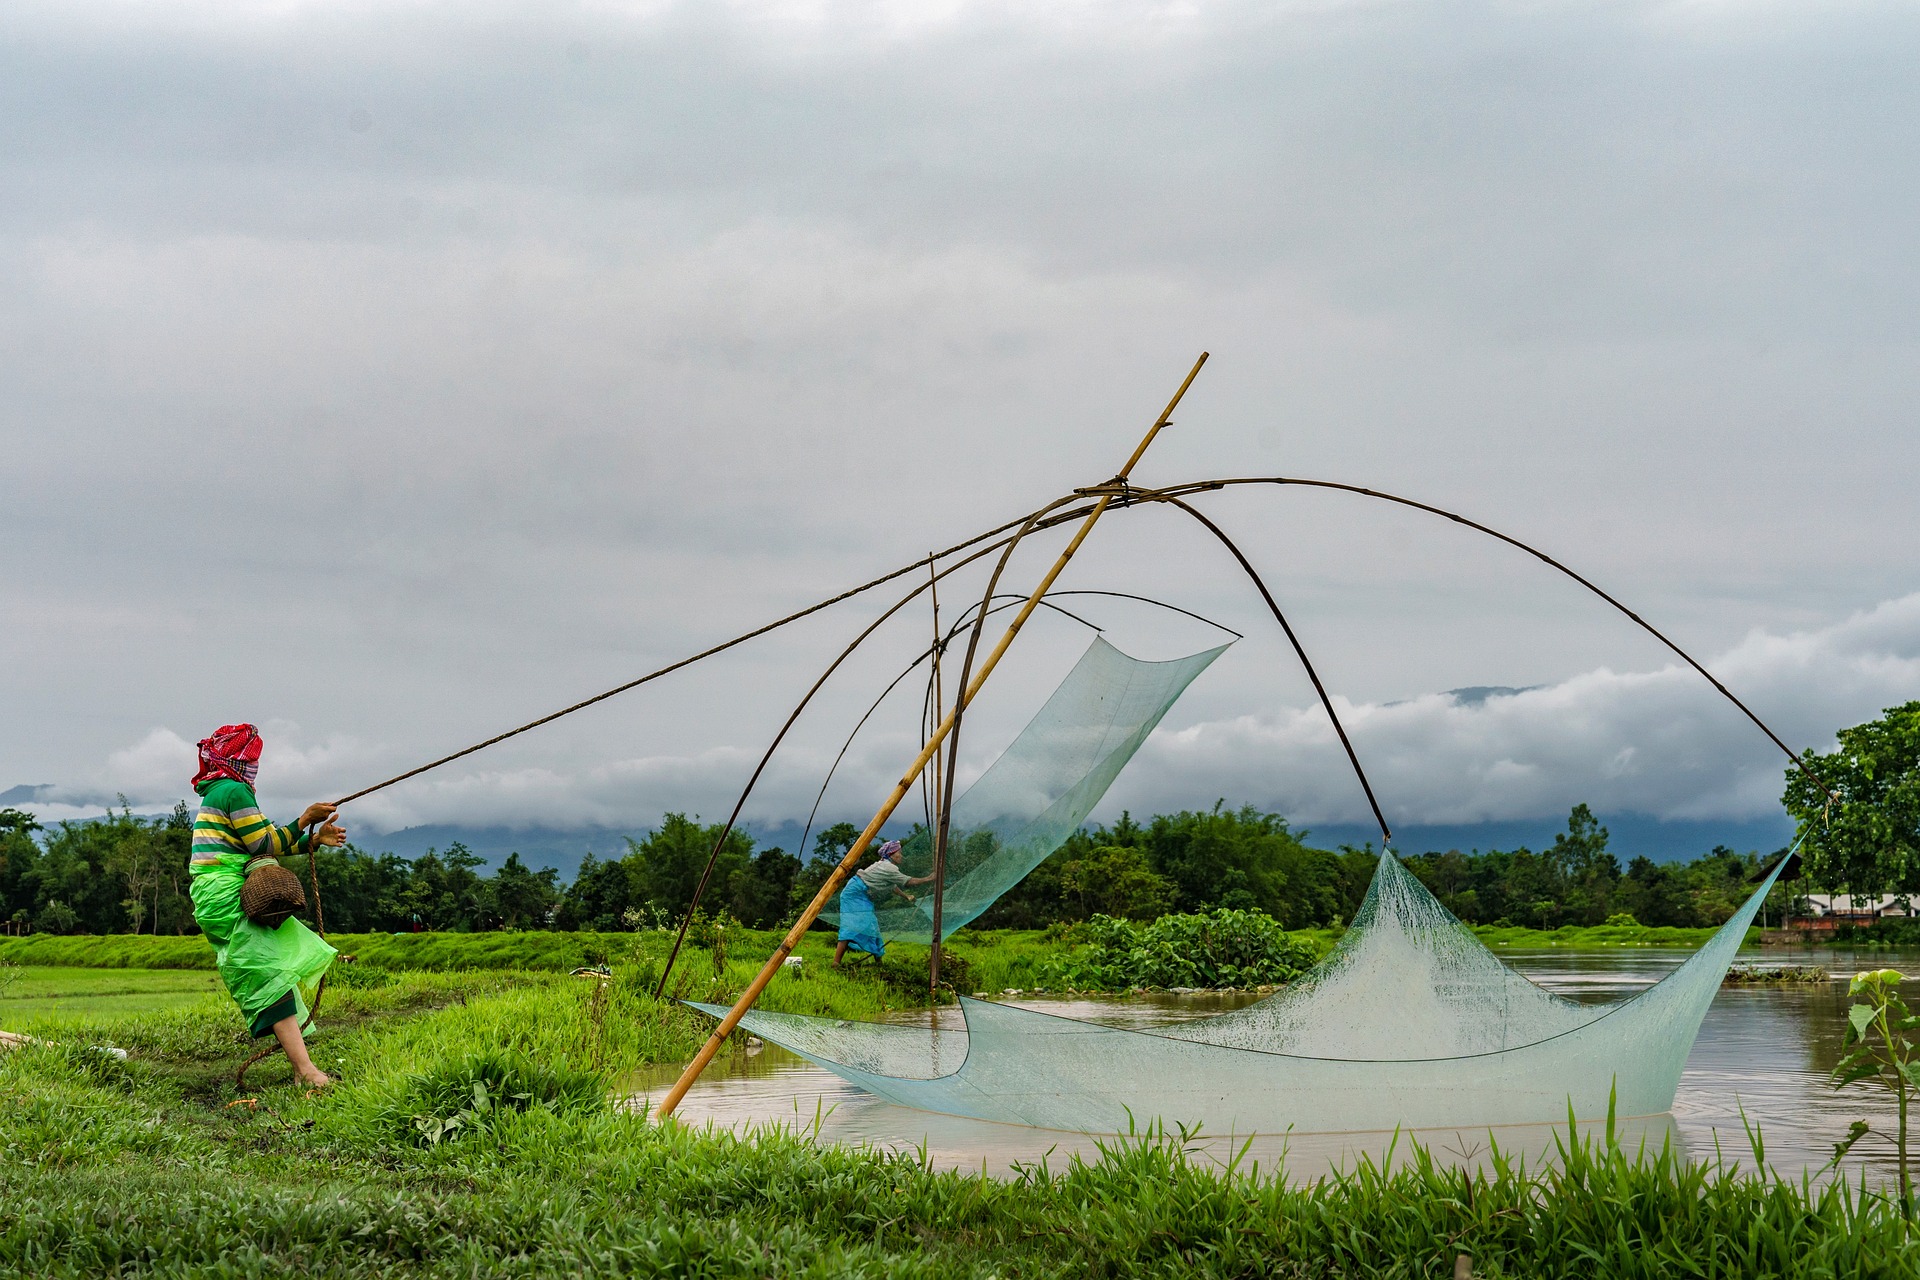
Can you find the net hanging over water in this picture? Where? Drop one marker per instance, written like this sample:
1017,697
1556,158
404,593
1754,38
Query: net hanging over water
1042,787
1409,1023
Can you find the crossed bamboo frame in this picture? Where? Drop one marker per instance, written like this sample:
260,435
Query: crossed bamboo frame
1086,505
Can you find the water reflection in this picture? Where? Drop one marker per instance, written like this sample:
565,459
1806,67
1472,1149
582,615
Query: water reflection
1761,1061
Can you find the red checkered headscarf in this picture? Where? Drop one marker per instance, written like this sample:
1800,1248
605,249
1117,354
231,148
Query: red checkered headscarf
232,752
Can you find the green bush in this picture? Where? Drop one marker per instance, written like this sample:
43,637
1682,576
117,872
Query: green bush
470,1094
1211,949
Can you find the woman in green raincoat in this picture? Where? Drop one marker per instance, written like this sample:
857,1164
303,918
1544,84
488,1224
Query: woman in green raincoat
273,974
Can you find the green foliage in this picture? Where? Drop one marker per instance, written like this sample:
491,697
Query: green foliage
117,873
443,891
1879,1047
599,898
1869,842
1777,975
829,847
519,898
1246,858
57,918
1189,861
449,952
757,895
467,1095
1577,882
1212,949
665,867
1115,880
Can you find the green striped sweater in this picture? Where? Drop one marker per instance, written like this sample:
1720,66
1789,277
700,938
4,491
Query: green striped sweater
230,828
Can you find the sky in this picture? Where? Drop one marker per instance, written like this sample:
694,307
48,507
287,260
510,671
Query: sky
388,375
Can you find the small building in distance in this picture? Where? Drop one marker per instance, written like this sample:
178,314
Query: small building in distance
1826,912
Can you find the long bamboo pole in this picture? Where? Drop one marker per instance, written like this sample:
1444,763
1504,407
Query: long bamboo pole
907,779
936,822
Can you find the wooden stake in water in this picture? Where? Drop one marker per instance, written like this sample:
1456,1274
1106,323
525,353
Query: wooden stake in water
907,779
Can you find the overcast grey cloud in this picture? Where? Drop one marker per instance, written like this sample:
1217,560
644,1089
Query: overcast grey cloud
391,374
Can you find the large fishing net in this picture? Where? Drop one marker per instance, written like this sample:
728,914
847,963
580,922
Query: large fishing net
1041,788
1409,1022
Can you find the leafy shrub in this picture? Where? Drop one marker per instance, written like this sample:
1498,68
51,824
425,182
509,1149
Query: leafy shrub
467,1095
1219,948
1068,931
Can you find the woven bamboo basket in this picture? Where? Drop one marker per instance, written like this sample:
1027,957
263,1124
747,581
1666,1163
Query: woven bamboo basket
271,894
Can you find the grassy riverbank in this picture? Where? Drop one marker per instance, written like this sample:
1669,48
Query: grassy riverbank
708,966
988,959
141,1166
1599,937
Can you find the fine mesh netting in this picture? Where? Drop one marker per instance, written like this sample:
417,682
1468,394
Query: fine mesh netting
1402,941
1410,1022
1042,788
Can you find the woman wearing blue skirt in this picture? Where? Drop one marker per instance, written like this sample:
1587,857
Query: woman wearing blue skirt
869,887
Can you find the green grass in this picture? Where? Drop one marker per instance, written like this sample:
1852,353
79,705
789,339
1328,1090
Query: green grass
140,1167
108,951
991,959
1599,936
36,993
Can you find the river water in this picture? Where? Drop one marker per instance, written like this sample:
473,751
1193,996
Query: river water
1763,1053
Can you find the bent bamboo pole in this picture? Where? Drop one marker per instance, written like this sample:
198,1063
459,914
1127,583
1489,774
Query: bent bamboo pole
907,779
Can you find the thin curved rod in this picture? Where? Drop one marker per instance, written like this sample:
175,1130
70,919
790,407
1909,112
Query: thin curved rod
954,631
945,827
1169,492
1010,602
1128,595
1300,651
713,856
726,830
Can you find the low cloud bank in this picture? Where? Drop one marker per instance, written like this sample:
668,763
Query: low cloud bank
1661,742
1658,742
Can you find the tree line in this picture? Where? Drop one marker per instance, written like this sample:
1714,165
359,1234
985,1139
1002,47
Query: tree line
1858,809
125,873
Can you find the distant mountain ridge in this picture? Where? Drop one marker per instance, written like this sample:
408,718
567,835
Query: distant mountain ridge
1632,834
562,850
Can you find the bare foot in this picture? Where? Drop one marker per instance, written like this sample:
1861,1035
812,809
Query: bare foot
316,1080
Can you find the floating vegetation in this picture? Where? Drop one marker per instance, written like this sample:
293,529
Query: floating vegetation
1776,975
